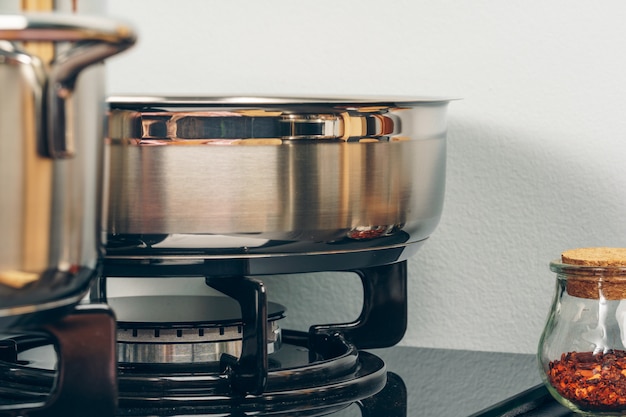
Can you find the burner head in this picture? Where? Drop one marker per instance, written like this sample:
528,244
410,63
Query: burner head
301,381
183,329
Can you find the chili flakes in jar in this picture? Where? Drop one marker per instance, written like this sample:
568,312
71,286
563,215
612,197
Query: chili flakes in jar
593,382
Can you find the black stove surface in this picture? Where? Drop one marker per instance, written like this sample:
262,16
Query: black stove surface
534,402
442,383
459,383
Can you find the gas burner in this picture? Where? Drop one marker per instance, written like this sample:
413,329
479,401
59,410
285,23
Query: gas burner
301,381
266,372
184,329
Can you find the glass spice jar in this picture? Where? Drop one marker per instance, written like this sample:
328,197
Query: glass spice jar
582,351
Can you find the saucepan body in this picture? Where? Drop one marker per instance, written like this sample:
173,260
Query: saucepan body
268,176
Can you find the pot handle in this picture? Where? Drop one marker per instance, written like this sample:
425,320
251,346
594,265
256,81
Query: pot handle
94,39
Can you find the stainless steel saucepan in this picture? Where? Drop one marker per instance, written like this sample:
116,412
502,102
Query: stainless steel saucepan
51,131
258,176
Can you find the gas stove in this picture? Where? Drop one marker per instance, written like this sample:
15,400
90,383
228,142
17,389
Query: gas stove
418,381
229,355
205,355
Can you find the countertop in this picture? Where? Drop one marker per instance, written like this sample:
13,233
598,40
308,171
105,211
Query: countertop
460,383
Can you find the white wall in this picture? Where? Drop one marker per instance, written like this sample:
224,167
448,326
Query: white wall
536,146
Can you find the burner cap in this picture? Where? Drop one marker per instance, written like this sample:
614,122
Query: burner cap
179,311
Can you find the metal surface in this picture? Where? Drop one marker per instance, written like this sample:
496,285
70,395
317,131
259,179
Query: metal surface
145,348
276,258
235,175
94,40
50,158
184,329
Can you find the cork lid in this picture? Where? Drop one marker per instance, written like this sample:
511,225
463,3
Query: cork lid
594,272
595,257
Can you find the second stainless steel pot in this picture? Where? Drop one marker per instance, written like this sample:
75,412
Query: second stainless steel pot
51,138
258,176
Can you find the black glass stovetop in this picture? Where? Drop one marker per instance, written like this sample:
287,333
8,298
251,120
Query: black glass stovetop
451,383
459,383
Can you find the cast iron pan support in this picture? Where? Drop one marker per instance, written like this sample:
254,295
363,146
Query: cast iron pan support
248,374
383,319
390,402
86,382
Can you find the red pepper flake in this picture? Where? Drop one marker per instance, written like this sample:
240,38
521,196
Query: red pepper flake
593,382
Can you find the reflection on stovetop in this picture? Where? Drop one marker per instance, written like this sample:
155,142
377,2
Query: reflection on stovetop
534,402
458,383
